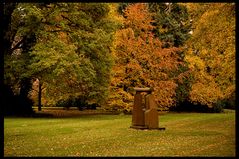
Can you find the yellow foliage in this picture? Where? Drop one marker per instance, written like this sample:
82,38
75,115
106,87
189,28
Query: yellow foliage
113,13
206,94
211,55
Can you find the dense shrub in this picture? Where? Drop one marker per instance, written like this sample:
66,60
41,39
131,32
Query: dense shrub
187,106
217,108
79,102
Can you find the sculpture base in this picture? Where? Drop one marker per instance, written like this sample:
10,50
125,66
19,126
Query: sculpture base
145,127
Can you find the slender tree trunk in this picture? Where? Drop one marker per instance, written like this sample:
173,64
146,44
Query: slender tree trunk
39,96
25,104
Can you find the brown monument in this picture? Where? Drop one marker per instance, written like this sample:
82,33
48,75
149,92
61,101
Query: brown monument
144,114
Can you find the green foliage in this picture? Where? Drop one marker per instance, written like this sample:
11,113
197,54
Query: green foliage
61,68
228,103
218,107
23,26
184,84
66,46
172,23
121,8
79,102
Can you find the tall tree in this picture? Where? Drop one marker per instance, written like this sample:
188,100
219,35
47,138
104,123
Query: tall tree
172,23
141,61
172,26
72,56
17,43
211,52
64,45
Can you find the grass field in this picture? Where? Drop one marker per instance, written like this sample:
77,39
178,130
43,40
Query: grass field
186,134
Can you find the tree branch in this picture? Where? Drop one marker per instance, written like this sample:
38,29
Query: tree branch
17,46
61,30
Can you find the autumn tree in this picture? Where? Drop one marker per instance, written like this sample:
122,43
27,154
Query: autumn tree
211,52
72,55
25,24
71,51
17,44
172,25
141,61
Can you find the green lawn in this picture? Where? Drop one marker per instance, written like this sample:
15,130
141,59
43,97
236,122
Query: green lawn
186,134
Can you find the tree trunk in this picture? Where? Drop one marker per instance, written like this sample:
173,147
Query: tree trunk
25,104
39,96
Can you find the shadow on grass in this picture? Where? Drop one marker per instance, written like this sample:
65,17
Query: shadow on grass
62,114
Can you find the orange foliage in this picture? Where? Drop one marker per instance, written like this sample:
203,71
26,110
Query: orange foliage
140,60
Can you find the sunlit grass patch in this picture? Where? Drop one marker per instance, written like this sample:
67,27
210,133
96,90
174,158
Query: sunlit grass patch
186,134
